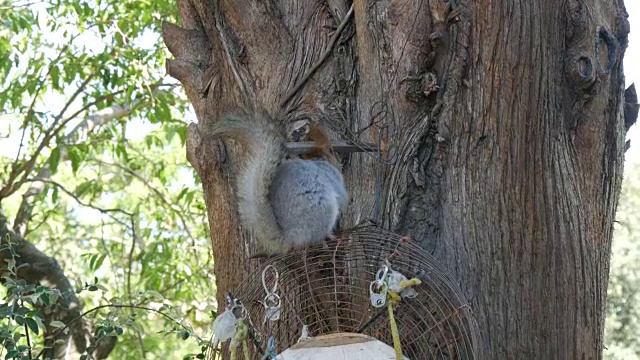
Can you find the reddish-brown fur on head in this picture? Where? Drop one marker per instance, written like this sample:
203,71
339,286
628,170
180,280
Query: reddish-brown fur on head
322,148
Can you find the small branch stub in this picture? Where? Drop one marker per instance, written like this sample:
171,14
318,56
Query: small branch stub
582,71
630,107
186,72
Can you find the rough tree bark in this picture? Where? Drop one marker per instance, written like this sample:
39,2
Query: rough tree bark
504,126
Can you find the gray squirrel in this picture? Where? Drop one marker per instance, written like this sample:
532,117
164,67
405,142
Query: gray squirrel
285,203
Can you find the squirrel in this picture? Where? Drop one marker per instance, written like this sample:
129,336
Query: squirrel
322,144
287,204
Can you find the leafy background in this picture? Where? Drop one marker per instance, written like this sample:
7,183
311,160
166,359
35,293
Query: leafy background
83,94
86,109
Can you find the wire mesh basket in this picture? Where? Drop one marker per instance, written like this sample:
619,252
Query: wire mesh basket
327,290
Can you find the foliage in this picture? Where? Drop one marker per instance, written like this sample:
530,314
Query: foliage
91,150
622,337
22,315
19,315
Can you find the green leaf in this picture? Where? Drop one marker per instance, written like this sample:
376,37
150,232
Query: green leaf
38,321
83,188
121,151
57,324
33,325
154,295
54,159
182,132
182,194
55,77
17,336
99,261
54,195
75,156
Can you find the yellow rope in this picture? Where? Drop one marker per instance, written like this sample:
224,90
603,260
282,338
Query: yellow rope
393,298
240,337
411,282
234,353
245,349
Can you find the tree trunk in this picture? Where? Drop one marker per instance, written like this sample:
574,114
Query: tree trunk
503,122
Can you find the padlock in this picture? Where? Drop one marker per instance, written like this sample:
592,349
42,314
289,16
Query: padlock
271,308
271,314
378,299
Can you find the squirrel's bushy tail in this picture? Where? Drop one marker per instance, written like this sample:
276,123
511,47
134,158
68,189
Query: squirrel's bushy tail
264,141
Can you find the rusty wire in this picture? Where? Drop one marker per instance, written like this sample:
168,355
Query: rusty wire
328,290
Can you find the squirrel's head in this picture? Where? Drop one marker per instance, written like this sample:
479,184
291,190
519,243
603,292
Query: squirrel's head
322,149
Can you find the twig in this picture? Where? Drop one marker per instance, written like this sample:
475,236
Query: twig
177,211
18,6
320,61
45,218
89,205
26,333
11,186
96,101
110,96
35,96
374,318
61,330
73,97
133,248
106,211
306,147
313,293
88,124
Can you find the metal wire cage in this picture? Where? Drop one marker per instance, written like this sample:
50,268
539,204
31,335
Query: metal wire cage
327,289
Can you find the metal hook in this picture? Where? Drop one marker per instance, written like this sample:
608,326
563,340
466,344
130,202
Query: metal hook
384,270
264,280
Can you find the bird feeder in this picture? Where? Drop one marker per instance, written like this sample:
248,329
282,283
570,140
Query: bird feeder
327,303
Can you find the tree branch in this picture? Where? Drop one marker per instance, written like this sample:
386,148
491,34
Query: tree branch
130,257
323,58
25,169
35,267
173,207
35,97
99,118
61,330
79,201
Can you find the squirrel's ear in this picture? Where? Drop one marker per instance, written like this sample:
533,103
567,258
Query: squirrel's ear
299,130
